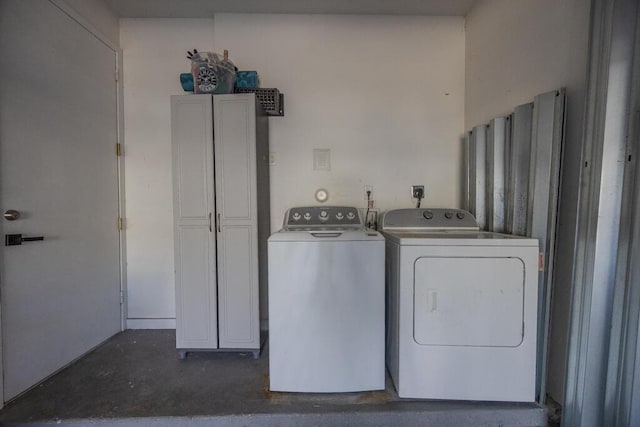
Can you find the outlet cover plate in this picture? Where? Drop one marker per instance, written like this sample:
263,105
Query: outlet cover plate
415,189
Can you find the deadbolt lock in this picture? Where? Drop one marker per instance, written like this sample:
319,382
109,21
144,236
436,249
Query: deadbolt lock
11,215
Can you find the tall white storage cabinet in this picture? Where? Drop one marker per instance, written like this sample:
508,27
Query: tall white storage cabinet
221,220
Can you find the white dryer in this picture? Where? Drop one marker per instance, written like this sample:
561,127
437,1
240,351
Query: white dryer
326,303
461,308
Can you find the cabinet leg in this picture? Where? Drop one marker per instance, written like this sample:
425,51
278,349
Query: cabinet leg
256,354
182,354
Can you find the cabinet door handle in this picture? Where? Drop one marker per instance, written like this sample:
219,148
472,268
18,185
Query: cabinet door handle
210,222
219,230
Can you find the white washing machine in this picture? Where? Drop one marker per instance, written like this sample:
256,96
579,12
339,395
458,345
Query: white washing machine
461,308
326,303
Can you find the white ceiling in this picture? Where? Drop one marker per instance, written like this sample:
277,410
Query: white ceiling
207,8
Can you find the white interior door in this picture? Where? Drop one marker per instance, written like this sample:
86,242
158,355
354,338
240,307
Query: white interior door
58,127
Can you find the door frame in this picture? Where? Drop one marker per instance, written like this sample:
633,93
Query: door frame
65,8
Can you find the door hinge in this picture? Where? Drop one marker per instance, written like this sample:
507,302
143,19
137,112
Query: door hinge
118,149
120,223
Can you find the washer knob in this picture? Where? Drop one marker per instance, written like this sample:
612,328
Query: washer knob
448,215
296,216
339,215
307,216
427,215
323,216
460,215
351,215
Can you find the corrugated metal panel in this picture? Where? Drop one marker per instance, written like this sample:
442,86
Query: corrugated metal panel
477,175
518,176
542,208
466,204
495,161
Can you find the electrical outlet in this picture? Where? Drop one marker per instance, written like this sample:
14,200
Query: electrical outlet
372,219
417,191
368,188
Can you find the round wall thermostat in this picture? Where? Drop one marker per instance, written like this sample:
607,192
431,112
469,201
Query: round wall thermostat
322,195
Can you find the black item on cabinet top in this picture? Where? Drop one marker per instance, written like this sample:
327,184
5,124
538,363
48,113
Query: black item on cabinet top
271,99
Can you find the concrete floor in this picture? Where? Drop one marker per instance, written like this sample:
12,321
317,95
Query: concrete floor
136,379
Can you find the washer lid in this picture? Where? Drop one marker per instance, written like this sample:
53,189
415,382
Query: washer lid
326,235
426,219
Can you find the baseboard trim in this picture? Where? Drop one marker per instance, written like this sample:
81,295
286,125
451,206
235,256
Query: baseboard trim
151,323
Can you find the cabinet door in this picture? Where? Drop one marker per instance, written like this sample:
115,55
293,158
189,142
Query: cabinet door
236,205
193,201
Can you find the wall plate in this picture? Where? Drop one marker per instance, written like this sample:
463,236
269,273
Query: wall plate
321,159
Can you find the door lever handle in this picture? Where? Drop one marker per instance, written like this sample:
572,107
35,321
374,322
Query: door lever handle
17,239
219,229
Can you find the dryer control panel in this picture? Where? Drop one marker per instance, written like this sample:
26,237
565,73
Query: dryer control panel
425,219
313,217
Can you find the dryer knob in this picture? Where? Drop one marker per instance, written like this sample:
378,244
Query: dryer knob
448,215
427,215
460,215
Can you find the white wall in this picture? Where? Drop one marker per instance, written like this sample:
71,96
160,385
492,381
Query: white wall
518,49
384,93
100,16
154,56
514,51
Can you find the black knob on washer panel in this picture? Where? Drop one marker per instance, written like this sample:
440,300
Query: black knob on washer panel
448,215
460,215
427,215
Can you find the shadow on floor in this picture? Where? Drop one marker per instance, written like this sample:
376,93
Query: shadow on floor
136,378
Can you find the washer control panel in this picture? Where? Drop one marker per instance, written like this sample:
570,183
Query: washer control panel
428,219
322,217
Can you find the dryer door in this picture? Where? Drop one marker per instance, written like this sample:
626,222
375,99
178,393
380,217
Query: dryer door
469,301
